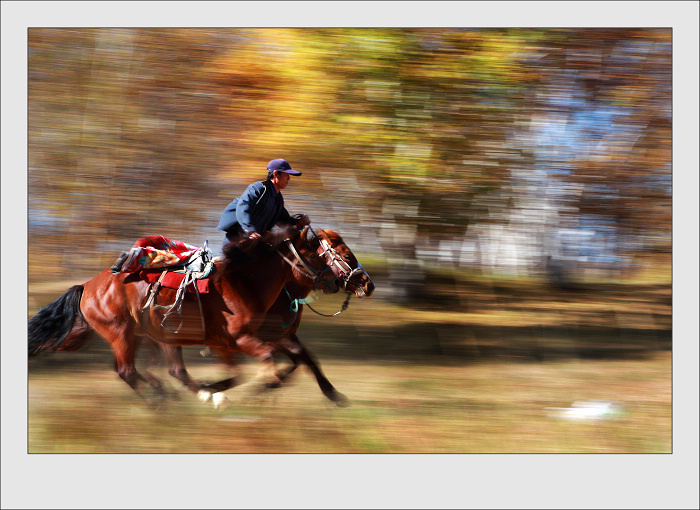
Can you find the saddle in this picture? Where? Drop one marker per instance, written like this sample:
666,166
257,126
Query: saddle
195,272
173,277
171,264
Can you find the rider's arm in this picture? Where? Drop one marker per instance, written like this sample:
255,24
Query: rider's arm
300,220
246,206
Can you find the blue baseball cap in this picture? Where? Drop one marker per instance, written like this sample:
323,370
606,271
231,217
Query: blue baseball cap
280,165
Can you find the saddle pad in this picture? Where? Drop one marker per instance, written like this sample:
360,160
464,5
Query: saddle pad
157,251
173,280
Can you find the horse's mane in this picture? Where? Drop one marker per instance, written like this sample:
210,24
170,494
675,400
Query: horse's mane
242,251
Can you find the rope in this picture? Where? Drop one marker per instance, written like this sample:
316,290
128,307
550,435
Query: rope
179,298
295,302
201,312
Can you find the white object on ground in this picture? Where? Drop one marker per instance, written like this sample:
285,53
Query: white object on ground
587,410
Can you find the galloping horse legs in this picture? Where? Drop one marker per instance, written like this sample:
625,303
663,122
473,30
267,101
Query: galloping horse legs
176,366
120,336
205,391
145,375
252,346
229,360
292,347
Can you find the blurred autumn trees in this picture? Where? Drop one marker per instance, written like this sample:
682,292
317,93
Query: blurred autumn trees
135,132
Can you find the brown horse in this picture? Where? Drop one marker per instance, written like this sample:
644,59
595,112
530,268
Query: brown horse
281,324
232,311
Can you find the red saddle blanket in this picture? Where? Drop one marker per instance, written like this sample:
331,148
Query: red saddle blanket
173,280
151,255
158,251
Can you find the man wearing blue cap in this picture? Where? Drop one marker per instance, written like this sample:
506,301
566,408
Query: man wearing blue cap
261,205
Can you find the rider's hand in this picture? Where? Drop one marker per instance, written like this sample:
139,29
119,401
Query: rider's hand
254,236
303,221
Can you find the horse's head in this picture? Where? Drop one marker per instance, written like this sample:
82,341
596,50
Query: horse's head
344,264
308,261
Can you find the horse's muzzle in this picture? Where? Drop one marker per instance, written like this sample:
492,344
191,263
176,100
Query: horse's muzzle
331,286
363,288
369,288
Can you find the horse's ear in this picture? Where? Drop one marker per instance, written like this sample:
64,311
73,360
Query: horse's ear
302,236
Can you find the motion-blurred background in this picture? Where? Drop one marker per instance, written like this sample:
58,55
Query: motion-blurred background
441,155
519,152
508,190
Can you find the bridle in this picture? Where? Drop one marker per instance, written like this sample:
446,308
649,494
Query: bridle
317,276
336,263
341,268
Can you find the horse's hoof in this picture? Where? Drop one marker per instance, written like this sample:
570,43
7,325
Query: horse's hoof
274,383
204,395
220,401
341,400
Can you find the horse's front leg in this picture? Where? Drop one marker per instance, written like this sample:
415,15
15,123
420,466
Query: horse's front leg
287,370
293,348
271,332
253,346
214,392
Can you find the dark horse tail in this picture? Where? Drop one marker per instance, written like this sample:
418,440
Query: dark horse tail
59,326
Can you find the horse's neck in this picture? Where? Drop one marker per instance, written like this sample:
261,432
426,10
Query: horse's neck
266,278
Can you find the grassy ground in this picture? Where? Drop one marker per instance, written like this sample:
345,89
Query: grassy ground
491,407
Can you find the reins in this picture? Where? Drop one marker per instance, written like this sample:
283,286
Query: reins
295,302
344,271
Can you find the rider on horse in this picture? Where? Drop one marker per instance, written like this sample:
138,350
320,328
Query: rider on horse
260,206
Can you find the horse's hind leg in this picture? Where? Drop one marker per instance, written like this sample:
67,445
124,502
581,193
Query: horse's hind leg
126,368
176,367
120,336
156,349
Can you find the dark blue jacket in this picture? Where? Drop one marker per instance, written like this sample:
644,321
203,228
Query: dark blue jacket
256,210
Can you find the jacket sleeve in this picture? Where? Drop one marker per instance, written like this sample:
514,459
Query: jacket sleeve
228,217
246,204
